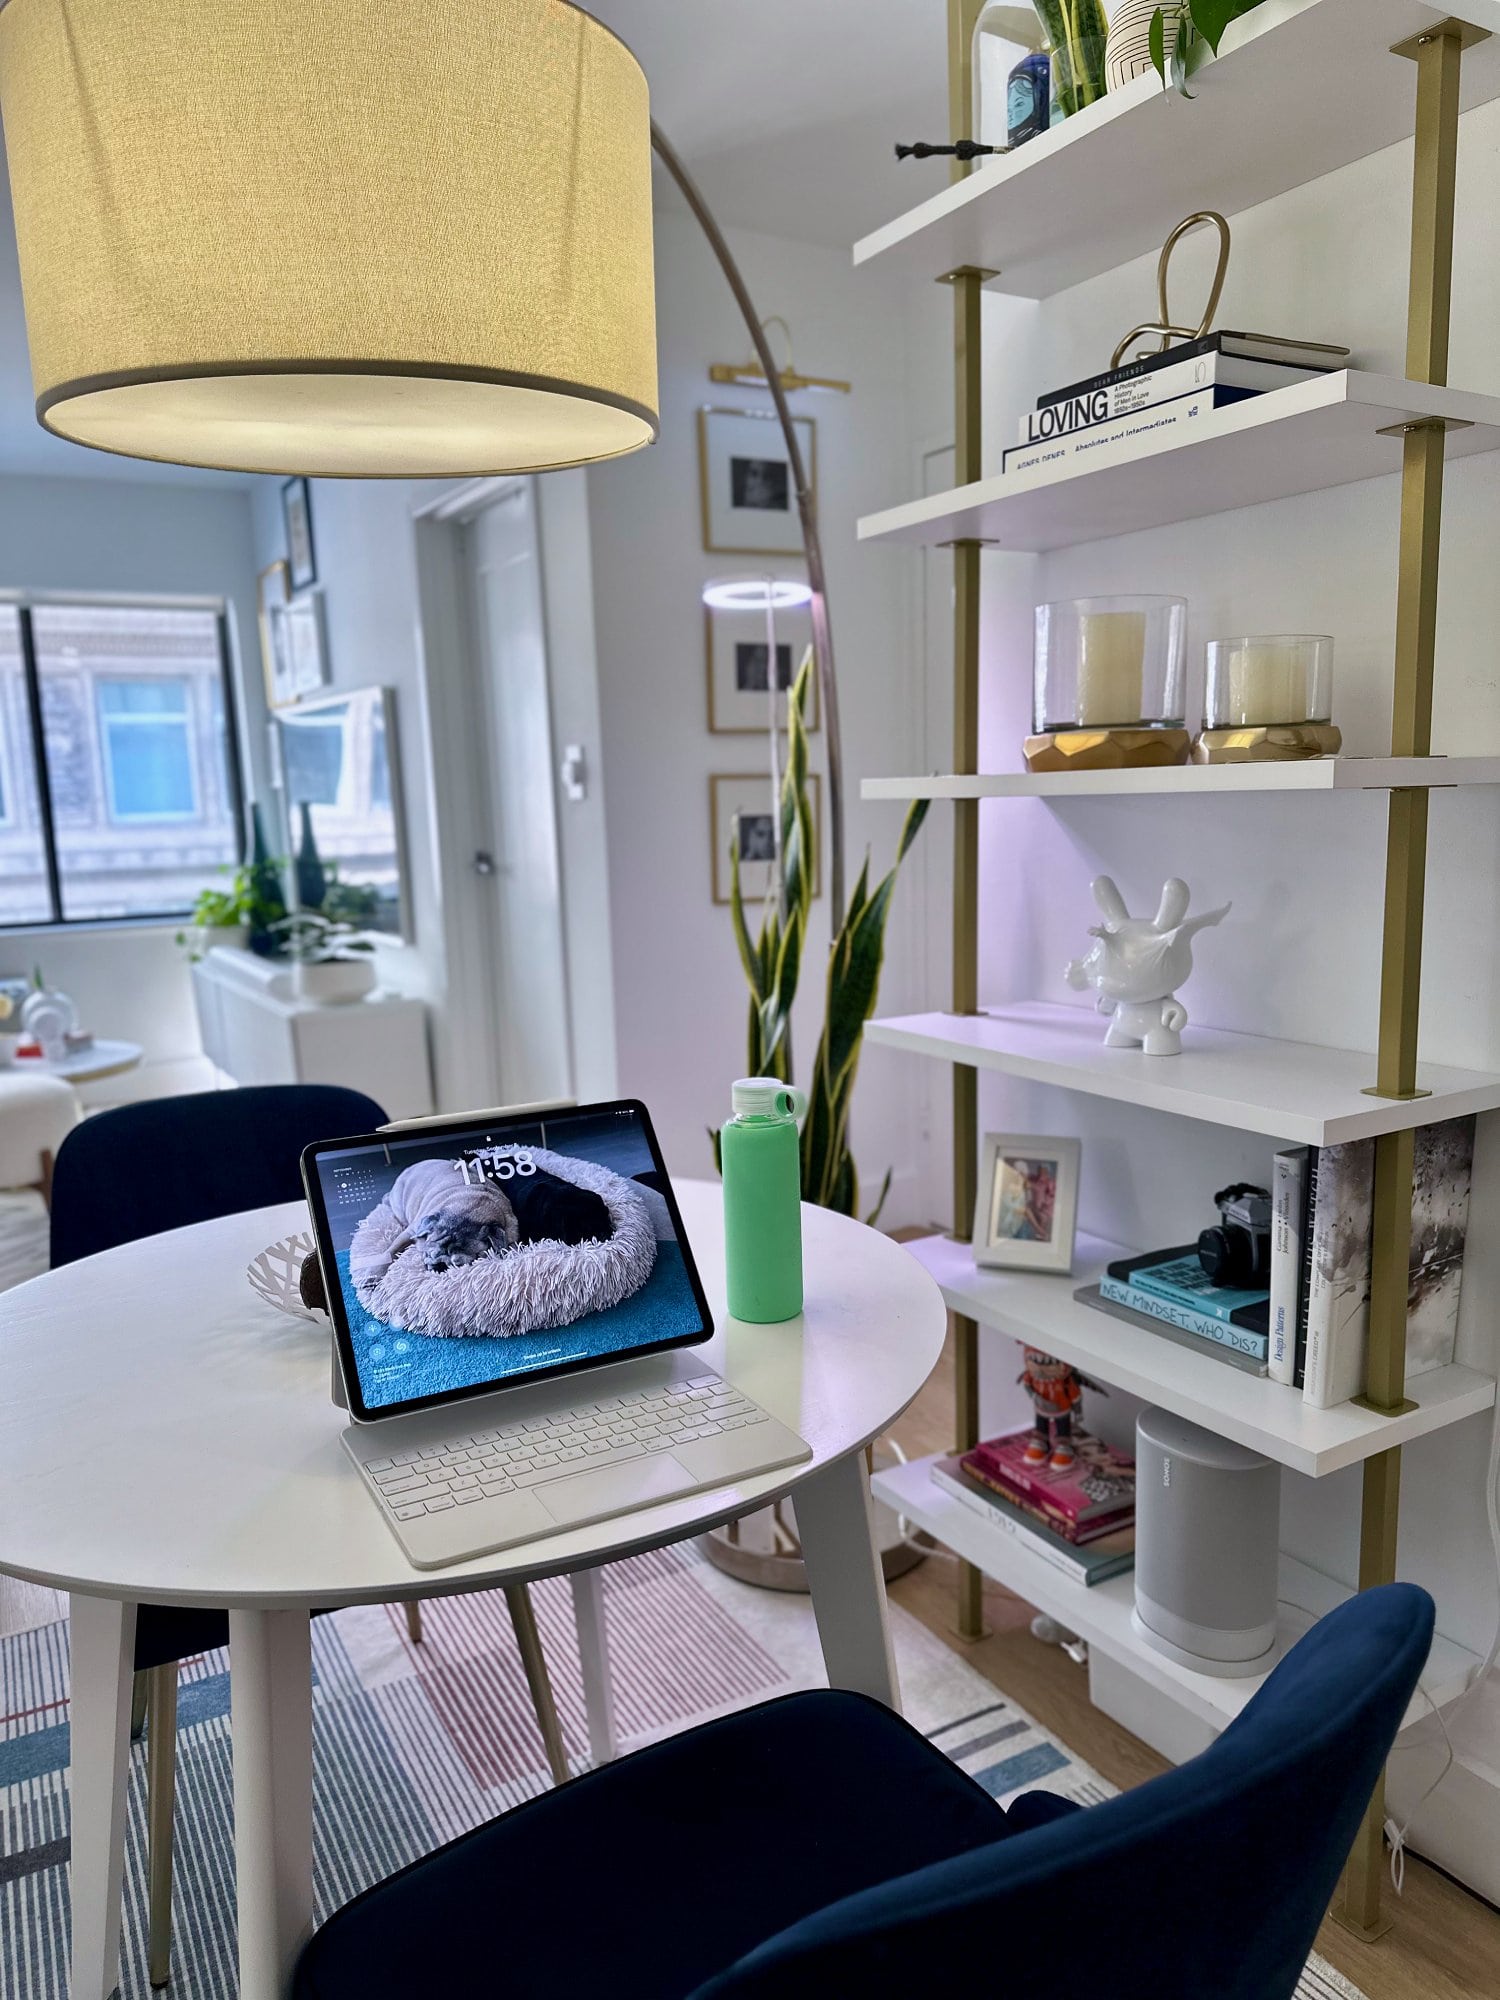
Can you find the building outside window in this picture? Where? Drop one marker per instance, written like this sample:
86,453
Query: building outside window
119,777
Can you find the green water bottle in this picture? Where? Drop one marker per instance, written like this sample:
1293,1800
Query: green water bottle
760,1157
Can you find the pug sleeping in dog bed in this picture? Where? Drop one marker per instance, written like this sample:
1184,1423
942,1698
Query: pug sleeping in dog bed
443,1256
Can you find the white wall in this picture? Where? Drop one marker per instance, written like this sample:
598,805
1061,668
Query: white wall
86,534
1300,955
681,995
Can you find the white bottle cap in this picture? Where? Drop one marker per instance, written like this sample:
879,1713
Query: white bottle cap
767,1097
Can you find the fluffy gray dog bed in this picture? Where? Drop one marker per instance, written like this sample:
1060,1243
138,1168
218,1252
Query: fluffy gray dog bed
533,1287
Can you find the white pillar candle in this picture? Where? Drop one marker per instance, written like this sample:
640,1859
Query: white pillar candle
1267,684
1111,667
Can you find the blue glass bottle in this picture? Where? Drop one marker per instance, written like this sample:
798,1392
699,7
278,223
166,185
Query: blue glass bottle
1027,98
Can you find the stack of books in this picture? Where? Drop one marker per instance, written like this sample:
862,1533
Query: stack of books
1081,1521
1322,1221
1108,415
1171,1286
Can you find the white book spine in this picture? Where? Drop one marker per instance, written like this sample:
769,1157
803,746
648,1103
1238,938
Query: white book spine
1338,1305
977,1504
1116,439
1118,399
1287,1197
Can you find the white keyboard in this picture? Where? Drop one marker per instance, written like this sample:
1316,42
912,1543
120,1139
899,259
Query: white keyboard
479,1465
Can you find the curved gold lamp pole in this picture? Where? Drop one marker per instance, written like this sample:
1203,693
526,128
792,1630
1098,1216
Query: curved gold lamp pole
806,511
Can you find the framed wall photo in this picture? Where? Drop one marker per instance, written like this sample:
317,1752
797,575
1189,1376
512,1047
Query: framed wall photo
273,591
738,657
296,512
749,495
304,622
1026,1216
739,809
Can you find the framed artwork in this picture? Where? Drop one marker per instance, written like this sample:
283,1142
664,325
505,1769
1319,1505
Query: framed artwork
739,809
1026,1216
273,594
738,660
304,623
296,512
749,495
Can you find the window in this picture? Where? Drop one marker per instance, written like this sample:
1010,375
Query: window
119,777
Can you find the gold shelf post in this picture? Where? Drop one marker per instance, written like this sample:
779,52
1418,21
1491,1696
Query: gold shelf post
963,17
1438,56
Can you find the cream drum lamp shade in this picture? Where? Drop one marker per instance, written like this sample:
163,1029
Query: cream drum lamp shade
370,238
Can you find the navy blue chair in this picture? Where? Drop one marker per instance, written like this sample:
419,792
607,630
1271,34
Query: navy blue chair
817,1847
212,1154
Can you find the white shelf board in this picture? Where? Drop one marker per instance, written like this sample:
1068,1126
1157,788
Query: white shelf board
1300,88
1321,433
1297,1091
1314,774
1269,1417
1101,1614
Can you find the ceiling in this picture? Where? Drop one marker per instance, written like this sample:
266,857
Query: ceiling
785,111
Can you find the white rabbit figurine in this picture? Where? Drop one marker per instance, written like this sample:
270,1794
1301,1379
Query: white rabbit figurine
1137,965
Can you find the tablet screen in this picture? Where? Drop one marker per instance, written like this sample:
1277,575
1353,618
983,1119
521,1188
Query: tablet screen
473,1255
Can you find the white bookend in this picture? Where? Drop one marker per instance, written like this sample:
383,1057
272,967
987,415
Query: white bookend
1288,1219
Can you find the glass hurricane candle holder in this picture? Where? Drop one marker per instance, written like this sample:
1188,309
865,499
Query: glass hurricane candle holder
1269,699
1109,685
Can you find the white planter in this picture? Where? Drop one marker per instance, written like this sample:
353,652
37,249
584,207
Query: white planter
229,937
1127,53
334,981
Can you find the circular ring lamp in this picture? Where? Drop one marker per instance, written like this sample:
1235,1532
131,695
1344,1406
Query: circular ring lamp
340,238
755,593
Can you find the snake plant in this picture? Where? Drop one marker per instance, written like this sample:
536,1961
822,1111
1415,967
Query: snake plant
773,961
1076,32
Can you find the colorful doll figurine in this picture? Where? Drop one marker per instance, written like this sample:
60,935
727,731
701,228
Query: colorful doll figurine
1056,1391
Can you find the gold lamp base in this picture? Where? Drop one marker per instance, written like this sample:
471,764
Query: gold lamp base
1106,749
1274,743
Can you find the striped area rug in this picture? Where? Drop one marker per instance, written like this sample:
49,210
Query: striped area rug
414,1744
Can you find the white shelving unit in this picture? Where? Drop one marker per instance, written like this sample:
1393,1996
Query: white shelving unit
1300,88
1296,1091
1102,1614
1264,1416
1326,432
1316,774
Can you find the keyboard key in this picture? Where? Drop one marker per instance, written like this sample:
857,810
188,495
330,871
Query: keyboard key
570,1451
379,1464
439,1505
467,1499
491,1487
463,1483
705,1381
394,1487
407,1512
545,1458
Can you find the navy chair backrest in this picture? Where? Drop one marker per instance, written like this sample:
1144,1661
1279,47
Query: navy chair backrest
142,1168
1210,1880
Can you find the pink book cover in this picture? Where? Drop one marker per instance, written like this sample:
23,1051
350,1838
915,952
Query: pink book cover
1100,1480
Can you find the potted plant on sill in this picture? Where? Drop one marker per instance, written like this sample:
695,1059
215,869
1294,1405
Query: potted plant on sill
331,962
231,916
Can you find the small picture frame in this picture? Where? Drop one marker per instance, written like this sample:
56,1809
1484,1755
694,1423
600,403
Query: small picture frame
739,808
1026,1217
296,512
273,594
737,655
748,493
304,623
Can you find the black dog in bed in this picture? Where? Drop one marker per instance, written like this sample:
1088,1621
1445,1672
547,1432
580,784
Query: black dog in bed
551,1209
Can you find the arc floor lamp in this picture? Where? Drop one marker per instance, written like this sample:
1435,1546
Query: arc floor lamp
350,241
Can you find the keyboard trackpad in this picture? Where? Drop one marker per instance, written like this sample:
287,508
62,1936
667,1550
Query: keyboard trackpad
611,1489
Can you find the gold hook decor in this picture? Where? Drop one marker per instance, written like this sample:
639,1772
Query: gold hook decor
1164,325
747,374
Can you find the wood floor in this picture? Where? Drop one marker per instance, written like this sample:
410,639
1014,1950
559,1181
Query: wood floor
1444,1943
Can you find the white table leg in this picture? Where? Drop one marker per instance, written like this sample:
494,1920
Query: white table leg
593,1655
836,1527
102,1641
270,1696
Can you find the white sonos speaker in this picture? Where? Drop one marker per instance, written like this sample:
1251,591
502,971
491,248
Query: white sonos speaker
1207,1529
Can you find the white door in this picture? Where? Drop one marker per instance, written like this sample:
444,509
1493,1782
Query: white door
521,866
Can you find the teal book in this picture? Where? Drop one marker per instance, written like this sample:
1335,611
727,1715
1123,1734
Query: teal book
1248,1340
1179,1276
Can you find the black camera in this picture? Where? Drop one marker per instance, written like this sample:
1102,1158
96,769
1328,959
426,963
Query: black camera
1237,1252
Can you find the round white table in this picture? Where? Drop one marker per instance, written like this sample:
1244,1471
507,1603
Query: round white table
167,1437
89,1065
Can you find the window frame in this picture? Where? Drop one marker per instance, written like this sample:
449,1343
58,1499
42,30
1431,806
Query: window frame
24,603
177,718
